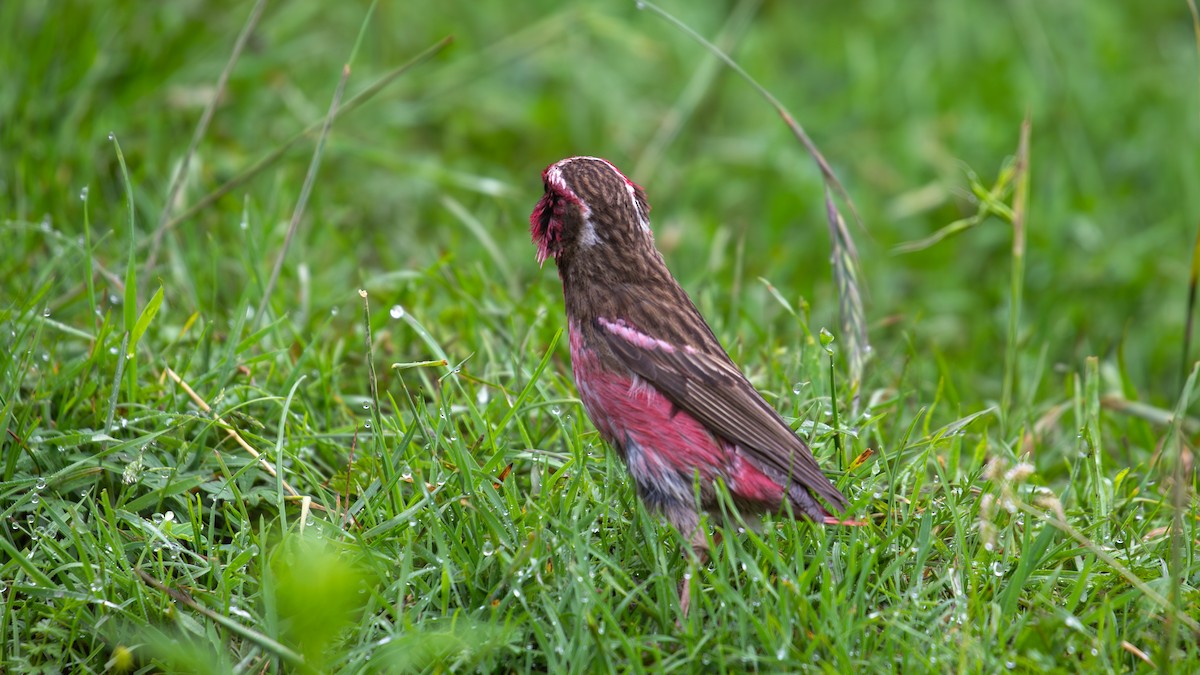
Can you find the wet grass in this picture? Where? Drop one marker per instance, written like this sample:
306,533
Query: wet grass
206,467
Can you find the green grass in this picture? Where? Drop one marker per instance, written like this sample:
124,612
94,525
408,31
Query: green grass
1029,489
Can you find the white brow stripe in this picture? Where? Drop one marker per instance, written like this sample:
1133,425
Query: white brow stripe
637,208
588,236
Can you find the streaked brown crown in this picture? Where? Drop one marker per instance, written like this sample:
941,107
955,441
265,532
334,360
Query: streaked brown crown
589,204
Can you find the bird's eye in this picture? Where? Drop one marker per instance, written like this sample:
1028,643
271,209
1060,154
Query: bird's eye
548,214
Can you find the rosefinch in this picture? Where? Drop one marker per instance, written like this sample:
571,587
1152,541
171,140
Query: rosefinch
652,377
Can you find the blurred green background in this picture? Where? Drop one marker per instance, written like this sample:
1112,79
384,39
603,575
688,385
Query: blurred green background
904,98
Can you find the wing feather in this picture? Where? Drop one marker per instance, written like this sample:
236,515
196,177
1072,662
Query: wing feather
709,387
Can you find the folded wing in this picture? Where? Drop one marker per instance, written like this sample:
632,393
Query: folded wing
709,387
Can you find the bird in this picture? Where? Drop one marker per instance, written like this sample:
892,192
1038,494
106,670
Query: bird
652,376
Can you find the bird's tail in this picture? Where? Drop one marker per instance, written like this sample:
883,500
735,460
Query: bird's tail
806,503
837,520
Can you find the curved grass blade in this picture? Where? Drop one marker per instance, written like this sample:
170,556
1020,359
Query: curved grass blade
305,191
270,158
198,134
846,275
847,272
797,130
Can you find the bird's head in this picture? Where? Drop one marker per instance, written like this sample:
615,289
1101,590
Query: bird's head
588,203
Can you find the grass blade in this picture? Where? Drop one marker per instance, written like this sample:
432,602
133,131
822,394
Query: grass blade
131,268
270,158
797,130
846,274
740,19
1017,280
144,319
201,128
305,191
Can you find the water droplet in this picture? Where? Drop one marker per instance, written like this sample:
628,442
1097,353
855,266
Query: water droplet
366,406
488,547
998,568
397,312
798,387
367,424
83,193
35,500
516,592
40,484
46,312
239,612
112,136
556,411
333,312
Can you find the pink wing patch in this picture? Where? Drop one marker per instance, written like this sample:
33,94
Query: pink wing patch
626,332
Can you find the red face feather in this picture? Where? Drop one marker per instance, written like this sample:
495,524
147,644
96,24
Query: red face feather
652,377
546,221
